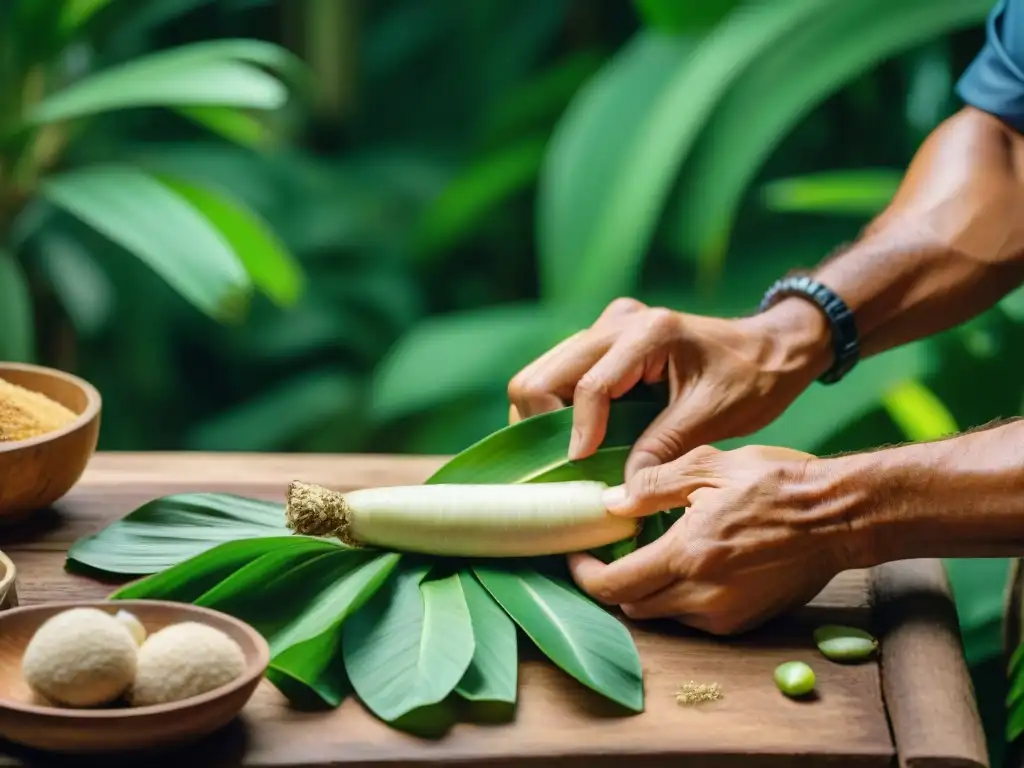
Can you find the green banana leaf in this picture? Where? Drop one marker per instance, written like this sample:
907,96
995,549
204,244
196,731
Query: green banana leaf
576,634
493,672
167,531
410,645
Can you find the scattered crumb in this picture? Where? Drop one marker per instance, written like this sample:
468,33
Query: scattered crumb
692,693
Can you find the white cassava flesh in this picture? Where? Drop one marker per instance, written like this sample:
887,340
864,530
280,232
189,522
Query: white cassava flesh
509,520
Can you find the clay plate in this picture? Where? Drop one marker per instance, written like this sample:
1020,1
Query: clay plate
37,472
27,720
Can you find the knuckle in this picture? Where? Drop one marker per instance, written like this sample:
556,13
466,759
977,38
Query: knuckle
665,444
705,453
661,321
647,483
590,386
603,592
624,305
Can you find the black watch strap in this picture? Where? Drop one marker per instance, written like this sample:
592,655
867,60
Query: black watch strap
845,343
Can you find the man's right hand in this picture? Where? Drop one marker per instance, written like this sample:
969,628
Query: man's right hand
727,377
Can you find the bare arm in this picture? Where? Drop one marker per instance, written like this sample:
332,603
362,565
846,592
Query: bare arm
961,497
948,247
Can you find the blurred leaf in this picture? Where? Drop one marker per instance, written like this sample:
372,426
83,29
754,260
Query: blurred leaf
581,638
17,322
83,288
232,124
537,103
918,412
272,269
163,229
863,192
599,182
178,77
473,194
676,16
448,356
777,89
167,531
272,419
77,13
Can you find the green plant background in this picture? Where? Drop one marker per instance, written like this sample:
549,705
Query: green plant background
464,184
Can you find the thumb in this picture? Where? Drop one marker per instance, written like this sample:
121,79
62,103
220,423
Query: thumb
658,488
669,437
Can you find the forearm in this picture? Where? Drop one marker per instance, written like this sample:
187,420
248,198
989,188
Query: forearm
960,497
948,247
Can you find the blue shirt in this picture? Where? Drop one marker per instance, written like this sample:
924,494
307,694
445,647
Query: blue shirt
994,81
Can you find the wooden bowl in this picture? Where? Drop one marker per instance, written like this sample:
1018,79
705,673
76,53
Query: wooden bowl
8,583
26,720
35,473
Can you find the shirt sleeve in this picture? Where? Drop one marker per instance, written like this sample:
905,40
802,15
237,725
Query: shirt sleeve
994,81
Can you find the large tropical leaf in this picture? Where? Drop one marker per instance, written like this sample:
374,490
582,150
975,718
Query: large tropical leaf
502,338
214,73
580,637
493,673
17,322
151,220
767,98
189,580
170,530
409,646
536,449
615,156
270,266
477,191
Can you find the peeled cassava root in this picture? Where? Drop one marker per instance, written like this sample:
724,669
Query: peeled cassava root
510,520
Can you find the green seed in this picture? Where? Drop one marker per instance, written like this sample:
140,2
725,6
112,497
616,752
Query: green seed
794,678
840,643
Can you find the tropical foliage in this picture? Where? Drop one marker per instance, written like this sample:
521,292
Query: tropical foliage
473,182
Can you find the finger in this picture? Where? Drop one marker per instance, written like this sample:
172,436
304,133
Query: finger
513,415
629,579
686,424
666,486
677,600
642,346
548,382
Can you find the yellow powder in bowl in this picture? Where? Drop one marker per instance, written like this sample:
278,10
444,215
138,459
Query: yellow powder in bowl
25,414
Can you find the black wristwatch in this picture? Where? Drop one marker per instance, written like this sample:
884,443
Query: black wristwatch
845,344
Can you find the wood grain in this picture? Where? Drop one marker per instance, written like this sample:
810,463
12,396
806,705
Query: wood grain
926,683
557,721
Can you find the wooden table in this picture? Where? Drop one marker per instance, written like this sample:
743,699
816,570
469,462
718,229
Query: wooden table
916,705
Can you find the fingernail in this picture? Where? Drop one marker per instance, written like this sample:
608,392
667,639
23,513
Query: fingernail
574,444
615,497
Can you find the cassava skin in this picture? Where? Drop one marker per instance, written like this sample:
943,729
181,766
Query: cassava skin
513,520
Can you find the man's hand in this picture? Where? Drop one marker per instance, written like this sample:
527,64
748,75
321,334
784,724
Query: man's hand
763,533
727,378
